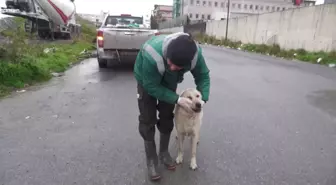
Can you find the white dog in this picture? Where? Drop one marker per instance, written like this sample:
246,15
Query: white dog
187,124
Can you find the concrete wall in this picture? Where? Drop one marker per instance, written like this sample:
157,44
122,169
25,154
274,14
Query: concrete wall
173,30
311,28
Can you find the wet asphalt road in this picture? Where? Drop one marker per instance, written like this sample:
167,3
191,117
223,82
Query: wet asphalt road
268,122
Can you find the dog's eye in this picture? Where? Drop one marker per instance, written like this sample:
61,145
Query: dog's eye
197,96
190,97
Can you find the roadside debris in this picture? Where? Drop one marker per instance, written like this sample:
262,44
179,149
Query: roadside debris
57,74
332,65
27,117
83,52
94,54
88,53
21,91
48,50
319,60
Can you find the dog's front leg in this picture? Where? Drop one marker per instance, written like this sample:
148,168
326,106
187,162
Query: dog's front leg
180,140
194,141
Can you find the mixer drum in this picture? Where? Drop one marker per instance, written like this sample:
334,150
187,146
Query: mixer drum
60,11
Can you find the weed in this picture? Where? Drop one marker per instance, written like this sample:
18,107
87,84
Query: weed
23,64
275,50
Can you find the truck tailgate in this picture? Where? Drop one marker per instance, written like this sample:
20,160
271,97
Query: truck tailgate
115,38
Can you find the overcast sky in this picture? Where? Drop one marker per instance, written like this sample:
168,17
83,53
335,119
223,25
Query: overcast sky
136,7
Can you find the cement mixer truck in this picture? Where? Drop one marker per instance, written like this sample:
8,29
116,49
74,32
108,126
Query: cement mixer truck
51,19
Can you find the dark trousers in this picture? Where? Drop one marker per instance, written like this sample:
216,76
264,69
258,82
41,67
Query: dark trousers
148,106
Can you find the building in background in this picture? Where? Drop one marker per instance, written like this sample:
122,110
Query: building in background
90,17
146,20
95,17
177,7
304,2
217,9
102,15
163,12
329,1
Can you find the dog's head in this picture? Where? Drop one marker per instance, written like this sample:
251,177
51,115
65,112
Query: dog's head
196,97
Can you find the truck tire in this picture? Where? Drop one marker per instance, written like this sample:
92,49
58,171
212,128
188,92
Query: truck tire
102,63
42,34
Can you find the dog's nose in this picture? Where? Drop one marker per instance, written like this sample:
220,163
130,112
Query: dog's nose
198,105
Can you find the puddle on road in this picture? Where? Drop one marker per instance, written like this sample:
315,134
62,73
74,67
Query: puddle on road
325,100
89,72
85,72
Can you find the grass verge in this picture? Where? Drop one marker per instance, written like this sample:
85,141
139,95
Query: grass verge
321,57
23,64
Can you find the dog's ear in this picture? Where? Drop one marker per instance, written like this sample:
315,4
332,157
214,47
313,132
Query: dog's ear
181,93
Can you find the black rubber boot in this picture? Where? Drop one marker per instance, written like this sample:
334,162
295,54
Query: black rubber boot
152,160
164,155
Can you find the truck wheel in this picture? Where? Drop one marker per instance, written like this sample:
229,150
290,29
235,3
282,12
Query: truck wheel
102,63
42,34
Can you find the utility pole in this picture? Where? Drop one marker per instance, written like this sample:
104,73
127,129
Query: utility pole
182,5
227,20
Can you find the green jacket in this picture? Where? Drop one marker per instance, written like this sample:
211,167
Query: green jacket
152,72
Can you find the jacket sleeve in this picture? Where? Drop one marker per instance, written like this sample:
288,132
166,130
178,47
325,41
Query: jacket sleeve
201,76
152,82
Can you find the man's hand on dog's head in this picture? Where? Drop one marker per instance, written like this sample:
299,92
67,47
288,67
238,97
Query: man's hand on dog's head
186,104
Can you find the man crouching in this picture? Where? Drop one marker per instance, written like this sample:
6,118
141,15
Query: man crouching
159,68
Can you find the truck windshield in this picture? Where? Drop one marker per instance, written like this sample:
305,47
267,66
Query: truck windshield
123,21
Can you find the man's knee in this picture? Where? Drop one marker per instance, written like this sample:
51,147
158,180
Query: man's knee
147,132
147,127
166,125
166,117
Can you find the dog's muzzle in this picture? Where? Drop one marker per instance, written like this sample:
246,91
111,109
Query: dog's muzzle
198,107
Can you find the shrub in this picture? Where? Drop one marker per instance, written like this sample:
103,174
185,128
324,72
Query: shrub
275,50
23,64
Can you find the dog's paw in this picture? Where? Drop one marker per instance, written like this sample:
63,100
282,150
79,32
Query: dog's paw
179,159
193,164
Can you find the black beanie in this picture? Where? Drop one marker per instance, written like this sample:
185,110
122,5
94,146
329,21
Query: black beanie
182,50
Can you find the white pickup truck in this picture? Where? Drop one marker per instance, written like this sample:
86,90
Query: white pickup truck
120,37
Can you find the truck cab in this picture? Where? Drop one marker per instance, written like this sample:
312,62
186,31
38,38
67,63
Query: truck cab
120,37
